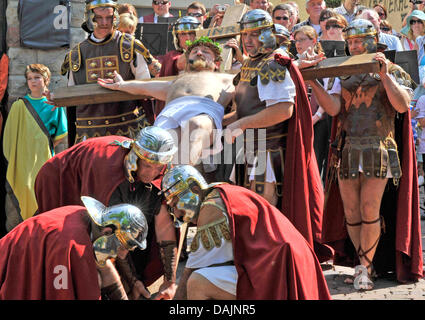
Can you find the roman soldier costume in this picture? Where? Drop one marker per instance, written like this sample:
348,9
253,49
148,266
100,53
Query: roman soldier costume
91,60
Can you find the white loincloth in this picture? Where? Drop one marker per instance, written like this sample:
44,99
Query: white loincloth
224,277
182,109
179,111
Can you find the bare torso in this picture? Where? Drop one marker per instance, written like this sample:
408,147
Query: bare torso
215,86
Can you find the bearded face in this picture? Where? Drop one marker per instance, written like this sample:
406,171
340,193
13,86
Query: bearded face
201,58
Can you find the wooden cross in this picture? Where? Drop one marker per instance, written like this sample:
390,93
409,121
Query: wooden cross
331,67
228,29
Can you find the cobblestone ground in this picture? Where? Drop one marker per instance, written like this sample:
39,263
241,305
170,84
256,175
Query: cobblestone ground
335,275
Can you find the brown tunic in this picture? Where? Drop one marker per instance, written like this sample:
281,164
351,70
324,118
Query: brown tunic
367,118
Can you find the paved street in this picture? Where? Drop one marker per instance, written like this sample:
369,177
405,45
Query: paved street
335,275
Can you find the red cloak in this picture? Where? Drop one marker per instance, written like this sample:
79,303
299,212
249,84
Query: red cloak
302,184
50,257
91,168
273,260
400,247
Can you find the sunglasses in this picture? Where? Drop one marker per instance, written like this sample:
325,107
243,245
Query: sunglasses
160,2
415,21
282,18
195,14
385,29
334,26
324,19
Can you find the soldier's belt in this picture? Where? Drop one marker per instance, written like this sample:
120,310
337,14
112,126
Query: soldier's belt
108,121
377,155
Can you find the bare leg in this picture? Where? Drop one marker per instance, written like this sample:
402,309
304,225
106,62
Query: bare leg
372,190
350,195
200,137
199,288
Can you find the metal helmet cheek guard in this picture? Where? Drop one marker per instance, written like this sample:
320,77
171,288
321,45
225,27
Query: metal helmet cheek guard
89,23
184,24
177,182
260,20
129,223
152,144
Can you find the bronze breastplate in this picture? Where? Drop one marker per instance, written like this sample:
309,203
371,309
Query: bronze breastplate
366,110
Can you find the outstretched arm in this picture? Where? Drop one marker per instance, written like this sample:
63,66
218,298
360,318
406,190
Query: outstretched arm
154,88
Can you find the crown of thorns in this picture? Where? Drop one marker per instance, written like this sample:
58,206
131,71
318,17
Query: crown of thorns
204,41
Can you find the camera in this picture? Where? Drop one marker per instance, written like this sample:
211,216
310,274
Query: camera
222,8
416,1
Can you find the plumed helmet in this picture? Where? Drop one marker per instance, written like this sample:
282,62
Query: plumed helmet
88,24
258,19
184,25
130,227
152,144
360,28
177,182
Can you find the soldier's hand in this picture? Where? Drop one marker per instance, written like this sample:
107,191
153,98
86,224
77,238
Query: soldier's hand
166,291
50,97
139,289
383,62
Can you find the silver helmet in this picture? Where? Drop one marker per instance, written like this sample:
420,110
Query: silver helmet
258,19
152,144
184,24
129,224
88,24
177,182
362,28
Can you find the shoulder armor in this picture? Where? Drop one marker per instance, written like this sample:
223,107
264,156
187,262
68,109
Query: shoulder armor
127,47
72,61
401,76
272,70
141,49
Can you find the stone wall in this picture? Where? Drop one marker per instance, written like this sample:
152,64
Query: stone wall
20,57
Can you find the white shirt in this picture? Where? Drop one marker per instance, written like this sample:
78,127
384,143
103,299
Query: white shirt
155,18
275,92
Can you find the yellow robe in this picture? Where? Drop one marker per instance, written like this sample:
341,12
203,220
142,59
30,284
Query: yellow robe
26,148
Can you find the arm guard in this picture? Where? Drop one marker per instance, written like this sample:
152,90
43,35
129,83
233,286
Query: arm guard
114,291
127,271
168,252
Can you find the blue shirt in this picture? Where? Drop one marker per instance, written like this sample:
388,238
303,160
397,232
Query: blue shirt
55,121
391,41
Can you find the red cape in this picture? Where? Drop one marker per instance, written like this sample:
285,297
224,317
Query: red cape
272,258
400,247
46,251
302,184
91,168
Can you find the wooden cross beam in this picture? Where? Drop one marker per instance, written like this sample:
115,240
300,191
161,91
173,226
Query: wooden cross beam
228,29
331,67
